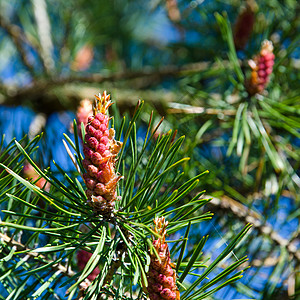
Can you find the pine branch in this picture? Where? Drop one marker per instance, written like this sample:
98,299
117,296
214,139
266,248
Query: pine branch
160,73
201,110
247,215
55,267
68,97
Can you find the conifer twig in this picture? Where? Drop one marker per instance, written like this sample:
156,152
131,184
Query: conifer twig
249,216
166,71
201,110
55,267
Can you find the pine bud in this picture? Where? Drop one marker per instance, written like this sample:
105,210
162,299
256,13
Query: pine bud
244,24
31,174
172,10
161,277
82,259
100,150
262,67
83,58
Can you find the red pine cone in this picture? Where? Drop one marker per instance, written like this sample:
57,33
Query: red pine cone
30,173
161,277
173,11
100,150
82,259
262,67
83,58
244,24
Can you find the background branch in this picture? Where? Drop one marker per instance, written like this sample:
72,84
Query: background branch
246,215
18,38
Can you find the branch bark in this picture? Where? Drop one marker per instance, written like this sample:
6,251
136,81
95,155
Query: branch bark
17,95
56,267
246,215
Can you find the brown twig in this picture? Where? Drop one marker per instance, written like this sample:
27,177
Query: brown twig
226,204
202,110
172,70
56,267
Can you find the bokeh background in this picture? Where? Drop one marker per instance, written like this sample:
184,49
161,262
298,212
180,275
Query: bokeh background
179,57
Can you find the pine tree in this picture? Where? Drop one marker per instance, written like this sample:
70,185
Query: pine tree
223,74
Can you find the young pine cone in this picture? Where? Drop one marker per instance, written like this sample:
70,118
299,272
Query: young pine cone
244,24
262,67
161,277
82,259
100,150
30,173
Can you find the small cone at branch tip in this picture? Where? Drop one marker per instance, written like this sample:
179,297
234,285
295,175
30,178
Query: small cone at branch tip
161,277
30,173
100,150
262,68
82,259
173,10
244,24
83,58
